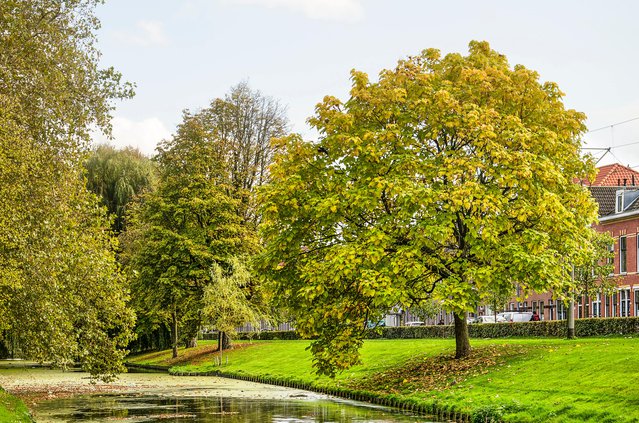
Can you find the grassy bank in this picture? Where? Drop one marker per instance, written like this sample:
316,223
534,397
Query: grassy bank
12,409
518,380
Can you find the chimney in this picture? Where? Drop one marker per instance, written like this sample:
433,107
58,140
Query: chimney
624,181
618,182
633,180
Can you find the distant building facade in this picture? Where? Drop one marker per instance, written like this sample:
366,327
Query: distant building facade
616,191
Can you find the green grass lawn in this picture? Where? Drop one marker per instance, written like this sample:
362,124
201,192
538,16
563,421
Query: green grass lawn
203,351
12,409
519,380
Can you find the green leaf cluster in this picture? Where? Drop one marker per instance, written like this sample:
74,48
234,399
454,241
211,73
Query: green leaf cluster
118,177
182,234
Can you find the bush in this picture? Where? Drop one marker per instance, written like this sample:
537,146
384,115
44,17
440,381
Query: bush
287,335
549,328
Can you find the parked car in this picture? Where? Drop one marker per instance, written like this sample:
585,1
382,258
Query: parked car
525,316
415,323
489,319
515,316
372,325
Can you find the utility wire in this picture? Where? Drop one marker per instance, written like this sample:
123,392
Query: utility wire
613,125
625,145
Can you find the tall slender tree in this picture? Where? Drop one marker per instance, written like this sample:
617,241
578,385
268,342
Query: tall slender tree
182,230
240,126
62,296
203,215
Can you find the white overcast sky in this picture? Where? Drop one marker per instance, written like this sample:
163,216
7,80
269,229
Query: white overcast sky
182,54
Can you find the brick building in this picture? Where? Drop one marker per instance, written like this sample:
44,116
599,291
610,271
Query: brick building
616,190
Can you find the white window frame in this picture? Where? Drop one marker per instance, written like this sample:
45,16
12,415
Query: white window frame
623,258
624,302
596,305
619,202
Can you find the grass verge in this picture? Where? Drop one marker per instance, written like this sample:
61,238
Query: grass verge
513,380
12,409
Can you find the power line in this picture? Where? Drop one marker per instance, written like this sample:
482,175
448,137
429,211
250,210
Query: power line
625,145
611,147
613,125
613,155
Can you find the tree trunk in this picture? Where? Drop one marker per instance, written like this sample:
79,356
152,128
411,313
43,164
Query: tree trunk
223,341
174,332
571,310
571,319
462,342
192,342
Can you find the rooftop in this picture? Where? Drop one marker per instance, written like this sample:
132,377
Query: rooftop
616,175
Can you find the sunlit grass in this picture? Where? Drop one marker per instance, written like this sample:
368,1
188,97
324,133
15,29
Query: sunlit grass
546,380
13,409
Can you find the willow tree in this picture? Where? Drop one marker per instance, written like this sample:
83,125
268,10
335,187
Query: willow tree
448,176
118,176
61,296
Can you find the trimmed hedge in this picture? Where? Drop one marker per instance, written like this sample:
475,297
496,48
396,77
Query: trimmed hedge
549,328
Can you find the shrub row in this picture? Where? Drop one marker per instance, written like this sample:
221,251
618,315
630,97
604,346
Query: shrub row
549,328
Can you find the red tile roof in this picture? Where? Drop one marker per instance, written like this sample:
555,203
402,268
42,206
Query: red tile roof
614,175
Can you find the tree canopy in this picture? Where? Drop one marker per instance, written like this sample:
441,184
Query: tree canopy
117,177
239,127
63,298
188,236
181,231
449,177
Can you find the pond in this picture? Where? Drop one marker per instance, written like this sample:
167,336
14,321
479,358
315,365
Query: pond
56,397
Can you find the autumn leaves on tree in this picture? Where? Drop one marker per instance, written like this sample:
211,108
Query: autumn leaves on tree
443,183
448,179
63,298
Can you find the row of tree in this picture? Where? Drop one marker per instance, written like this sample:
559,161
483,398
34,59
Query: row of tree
188,238
448,180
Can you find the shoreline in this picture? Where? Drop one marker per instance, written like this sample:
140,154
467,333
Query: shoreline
34,385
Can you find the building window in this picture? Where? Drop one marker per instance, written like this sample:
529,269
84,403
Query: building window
619,202
610,261
625,302
596,306
561,310
622,254
613,305
551,310
580,312
541,310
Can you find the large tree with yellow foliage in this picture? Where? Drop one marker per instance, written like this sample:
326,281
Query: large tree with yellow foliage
62,298
448,178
